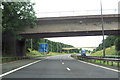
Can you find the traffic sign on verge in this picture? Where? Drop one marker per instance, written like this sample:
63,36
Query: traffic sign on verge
43,48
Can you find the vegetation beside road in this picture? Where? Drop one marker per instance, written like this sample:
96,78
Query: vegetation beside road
31,54
15,17
105,63
112,46
109,51
37,54
55,47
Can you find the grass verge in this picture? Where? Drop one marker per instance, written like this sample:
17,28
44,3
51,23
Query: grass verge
108,51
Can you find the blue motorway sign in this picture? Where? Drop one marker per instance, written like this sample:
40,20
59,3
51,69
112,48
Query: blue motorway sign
43,48
83,51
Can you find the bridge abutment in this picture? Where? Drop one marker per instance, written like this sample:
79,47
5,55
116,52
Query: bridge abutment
13,47
20,47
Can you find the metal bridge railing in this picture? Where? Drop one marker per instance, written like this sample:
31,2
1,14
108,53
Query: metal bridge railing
75,13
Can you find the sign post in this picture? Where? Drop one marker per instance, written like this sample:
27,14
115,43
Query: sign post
102,29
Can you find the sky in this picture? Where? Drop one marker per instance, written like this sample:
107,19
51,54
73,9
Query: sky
58,8
85,41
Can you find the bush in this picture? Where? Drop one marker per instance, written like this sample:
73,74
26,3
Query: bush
118,53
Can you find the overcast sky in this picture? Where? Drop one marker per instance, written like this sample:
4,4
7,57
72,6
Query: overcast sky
52,8
57,8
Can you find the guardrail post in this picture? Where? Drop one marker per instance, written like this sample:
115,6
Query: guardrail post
104,61
94,60
107,62
112,63
118,64
87,59
90,60
100,61
77,57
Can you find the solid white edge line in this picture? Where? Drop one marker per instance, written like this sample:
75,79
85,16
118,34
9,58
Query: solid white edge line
71,57
99,66
68,68
14,70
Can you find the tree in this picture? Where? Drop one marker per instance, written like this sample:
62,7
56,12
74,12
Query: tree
16,16
109,41
117,44
56,46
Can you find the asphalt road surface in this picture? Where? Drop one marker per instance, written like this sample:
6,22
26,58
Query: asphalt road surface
62,66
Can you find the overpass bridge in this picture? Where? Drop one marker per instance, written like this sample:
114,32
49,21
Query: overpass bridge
71,48
67,26
72,26
65,48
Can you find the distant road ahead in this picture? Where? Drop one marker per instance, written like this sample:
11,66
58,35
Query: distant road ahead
62,66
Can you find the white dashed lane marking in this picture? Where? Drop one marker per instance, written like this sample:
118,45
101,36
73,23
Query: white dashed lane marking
68,69
62,62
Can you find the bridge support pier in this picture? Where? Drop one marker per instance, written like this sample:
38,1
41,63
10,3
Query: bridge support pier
13,47
20,47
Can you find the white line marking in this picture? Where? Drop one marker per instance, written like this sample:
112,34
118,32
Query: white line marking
71,57
48,57
68,69
68,56
4,74
99,66
62,62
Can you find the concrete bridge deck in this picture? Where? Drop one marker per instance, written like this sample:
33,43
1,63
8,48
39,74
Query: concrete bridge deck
73,26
